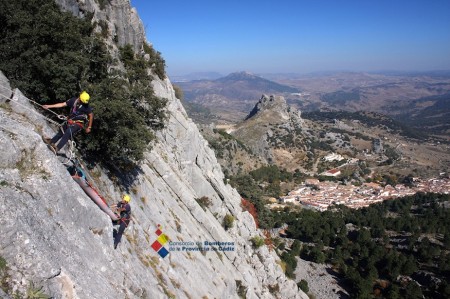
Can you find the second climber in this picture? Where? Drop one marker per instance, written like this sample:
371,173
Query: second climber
123,210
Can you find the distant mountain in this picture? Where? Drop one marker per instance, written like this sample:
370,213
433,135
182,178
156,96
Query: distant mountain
196,76
231,97
254,82
419,100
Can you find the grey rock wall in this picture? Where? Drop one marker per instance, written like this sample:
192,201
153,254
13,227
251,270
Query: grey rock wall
123,23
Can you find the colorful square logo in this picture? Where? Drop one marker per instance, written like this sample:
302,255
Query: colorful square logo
158,245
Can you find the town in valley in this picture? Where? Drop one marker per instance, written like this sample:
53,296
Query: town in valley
321,195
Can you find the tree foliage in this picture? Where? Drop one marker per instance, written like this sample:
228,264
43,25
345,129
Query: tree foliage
44,51
157,63
119,131
250,190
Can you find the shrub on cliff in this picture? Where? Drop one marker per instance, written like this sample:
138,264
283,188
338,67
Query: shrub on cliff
228,221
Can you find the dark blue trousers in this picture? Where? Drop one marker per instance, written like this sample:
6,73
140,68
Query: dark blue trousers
118,235
69,131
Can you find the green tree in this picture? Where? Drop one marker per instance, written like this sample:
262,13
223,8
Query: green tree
45,52
120,135
409,266
413,291
156,61
249,189
296,248
393,292
291,263
303,285
444,289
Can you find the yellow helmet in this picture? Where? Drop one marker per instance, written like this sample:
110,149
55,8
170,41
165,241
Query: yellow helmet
84,97
126,198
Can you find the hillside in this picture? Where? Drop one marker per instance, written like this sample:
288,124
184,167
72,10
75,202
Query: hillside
56,241
430,114
56,238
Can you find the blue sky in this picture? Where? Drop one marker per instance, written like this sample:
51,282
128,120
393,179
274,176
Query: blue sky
298,36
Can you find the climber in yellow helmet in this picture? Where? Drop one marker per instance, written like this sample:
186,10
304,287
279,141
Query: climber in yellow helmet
81,116
123,211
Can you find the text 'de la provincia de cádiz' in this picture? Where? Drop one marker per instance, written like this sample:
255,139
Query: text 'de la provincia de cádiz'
201,246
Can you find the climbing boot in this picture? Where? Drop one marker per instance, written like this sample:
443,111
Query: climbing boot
53,147
47,140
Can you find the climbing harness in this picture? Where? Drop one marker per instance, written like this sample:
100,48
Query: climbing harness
123,220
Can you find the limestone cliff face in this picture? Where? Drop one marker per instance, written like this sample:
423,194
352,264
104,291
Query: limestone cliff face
121,21
55,237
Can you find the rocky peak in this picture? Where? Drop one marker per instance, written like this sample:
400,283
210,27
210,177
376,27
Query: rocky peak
270,119
270,104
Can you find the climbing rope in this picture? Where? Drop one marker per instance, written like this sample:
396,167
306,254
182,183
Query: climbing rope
15,100
62,117
70,153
